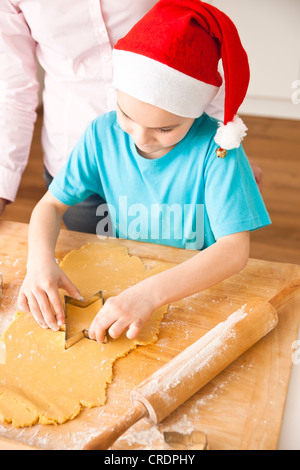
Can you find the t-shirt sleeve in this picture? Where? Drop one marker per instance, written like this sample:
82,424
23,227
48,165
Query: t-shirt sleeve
79,178
232,197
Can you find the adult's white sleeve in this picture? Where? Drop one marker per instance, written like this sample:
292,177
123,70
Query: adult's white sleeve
18,97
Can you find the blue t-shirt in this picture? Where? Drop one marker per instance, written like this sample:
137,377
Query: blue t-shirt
188,198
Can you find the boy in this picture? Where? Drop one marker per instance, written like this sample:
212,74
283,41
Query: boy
159,150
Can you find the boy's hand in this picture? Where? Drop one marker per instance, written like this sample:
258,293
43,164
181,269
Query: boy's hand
39,294
127,311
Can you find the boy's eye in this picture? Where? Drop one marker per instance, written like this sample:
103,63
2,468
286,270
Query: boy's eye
165,130
124,115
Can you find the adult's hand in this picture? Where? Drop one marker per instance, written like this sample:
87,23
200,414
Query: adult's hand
3,203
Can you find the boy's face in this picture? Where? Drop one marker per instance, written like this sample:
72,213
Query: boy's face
154,131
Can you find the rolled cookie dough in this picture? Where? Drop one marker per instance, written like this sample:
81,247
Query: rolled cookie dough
40,381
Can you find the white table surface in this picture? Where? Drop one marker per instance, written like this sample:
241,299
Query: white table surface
289,438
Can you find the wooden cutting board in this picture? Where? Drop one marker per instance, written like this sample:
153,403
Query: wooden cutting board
242,408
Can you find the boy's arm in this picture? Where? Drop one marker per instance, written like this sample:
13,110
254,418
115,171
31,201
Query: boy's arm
44,228
132,308
219,261
39,292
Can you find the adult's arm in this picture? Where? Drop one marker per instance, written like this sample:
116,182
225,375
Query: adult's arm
18,97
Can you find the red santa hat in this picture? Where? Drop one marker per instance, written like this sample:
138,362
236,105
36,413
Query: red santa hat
170,59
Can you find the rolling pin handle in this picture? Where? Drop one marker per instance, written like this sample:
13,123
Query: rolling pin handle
285,294
105,440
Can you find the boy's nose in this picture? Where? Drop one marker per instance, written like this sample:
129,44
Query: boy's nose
142,136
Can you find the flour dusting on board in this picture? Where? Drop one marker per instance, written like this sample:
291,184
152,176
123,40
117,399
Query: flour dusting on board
214,343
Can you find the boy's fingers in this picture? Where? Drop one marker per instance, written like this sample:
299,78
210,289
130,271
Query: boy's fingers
134,329
99,325
46,310
118,327
57,305
23,303
68,286
97,332
35,310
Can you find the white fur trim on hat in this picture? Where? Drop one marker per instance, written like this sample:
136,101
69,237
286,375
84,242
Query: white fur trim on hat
160,85
230,136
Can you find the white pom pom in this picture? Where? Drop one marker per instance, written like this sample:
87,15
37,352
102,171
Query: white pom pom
231,135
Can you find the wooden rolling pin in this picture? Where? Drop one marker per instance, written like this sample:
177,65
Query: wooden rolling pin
173,384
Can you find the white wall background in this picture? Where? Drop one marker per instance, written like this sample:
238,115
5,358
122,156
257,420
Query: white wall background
270,33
